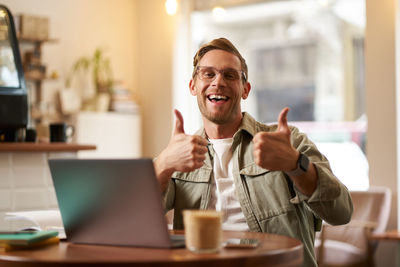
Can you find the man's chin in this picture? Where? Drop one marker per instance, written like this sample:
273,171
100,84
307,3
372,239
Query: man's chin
218,118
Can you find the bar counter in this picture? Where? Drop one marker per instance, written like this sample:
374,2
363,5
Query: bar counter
26,182
43,147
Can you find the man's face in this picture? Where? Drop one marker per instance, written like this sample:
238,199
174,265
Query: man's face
219,99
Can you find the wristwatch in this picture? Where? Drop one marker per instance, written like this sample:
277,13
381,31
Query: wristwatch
302,166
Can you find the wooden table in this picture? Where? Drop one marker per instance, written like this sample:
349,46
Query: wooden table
391,235
274,250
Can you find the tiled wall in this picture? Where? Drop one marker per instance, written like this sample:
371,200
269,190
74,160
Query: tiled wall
25,182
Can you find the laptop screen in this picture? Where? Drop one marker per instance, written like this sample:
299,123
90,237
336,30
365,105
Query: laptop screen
110,201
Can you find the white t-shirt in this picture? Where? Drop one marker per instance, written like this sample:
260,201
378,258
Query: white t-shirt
223,192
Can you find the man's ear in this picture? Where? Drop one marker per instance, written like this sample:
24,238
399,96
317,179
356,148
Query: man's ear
246,90
191,87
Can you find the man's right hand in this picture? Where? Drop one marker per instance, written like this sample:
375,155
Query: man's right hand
184,153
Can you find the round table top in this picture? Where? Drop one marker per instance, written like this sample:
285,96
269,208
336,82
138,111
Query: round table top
273,250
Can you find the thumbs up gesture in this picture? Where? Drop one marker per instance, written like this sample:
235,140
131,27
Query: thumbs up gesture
184,152
273,150
187,151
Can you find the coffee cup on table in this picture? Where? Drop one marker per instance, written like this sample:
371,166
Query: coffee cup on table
60,132
203,230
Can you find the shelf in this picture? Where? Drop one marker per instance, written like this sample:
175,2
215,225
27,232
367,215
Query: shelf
34,72
35,40
36,147
32,79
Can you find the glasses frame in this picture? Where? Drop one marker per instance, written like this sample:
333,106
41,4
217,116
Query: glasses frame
242,74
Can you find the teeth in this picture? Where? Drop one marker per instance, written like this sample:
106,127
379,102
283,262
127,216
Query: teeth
217,97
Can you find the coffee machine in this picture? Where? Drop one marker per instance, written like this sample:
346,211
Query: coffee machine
13,91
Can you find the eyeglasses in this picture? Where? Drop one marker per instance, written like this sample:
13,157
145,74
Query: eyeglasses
209,74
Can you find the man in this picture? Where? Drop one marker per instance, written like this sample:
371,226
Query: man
264,178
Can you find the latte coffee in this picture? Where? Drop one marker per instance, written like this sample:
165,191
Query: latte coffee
203,230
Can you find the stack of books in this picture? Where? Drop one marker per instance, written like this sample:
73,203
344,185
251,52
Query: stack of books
13,240
123,100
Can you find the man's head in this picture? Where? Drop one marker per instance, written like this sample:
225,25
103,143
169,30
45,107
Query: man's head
219,81
221,44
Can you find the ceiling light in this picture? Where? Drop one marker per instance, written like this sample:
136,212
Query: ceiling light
218,12
324,3
171,6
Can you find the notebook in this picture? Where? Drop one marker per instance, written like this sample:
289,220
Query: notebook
25,237
111,202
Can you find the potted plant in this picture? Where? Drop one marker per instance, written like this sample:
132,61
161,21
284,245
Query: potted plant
100,69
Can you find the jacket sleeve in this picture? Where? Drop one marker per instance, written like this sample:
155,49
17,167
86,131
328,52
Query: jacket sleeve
331,199
168,196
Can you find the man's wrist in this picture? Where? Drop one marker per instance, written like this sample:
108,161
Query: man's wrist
163,174
302,165
161,168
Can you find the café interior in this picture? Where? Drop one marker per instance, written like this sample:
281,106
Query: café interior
111,72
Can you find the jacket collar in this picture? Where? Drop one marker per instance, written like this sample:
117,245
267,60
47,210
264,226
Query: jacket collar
248,124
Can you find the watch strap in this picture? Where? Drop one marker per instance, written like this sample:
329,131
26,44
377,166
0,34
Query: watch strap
302,166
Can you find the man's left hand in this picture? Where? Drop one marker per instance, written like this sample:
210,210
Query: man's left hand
273,150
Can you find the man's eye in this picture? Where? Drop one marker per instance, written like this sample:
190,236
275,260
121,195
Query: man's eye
230,75
208,74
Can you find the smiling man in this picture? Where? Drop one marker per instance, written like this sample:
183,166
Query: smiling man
265,178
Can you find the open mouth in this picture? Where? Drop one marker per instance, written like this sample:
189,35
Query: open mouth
217,98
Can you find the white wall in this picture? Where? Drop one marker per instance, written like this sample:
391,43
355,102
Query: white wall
156,31
380,60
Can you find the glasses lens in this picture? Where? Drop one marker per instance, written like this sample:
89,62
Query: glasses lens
231,75
209,74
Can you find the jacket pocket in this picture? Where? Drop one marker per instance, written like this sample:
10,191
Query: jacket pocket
191,192
253,170
201,175
285,223
268,192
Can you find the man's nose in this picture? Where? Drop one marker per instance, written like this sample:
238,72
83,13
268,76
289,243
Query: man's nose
219,79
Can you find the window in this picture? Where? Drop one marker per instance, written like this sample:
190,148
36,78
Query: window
307,55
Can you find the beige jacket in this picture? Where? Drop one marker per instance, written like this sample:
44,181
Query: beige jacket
268,199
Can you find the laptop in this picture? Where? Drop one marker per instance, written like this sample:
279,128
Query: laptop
111,202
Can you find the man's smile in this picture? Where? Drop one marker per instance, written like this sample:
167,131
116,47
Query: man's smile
214,98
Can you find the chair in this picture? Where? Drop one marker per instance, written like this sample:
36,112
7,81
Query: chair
348,245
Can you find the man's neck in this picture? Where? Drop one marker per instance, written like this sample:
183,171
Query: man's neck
221,131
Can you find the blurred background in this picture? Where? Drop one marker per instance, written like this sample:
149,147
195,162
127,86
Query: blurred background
116,69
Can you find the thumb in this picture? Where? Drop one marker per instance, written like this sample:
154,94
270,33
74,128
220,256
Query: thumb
178,129
282,121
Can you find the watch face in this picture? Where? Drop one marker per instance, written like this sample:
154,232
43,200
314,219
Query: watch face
304,162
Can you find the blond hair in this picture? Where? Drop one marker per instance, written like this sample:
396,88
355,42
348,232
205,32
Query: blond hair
221,44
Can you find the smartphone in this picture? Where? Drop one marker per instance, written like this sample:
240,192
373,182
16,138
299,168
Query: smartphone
241,243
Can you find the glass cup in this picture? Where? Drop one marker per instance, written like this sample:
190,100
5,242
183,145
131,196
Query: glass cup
203,230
